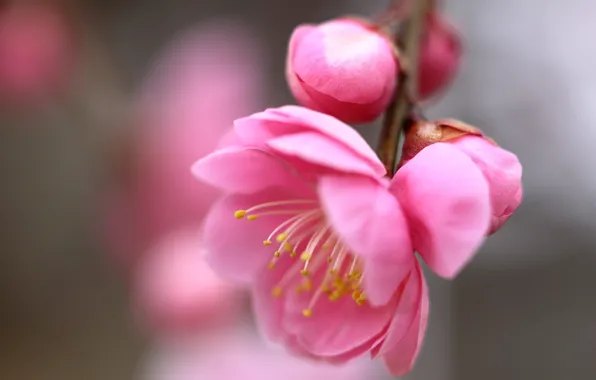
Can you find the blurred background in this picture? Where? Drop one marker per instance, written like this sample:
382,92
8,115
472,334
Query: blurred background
93,184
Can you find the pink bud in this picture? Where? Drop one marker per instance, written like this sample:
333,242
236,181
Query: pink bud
343,68
501,168
440,55
35,52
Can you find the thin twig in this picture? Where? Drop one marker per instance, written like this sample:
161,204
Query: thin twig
397,114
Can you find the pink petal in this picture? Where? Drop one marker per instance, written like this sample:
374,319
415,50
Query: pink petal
401,358
242,170
346,111
370,221
291,77
230,139
410,297
317,149
268,309
273,317
446,200
234,247
258,128
336,328
502,170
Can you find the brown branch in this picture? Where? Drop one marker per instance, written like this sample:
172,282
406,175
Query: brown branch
397,115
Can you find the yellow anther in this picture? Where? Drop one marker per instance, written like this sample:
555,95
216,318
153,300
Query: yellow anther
304,272
361,299
288,247
305,256
252,217
281,237
271,265
334,296
330,260
356,295
276,291
356,274
306,286
325,289
266,242
240,214
293,254
326,246
277,254
307,312
333,272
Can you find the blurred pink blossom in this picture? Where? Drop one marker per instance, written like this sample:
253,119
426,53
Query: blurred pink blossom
175,289
205,79
343,68
239,354
36,52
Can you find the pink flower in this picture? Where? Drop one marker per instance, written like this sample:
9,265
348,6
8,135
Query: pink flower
238,354
175,290
343,68
36,52
440,56
326,241
501,169
203,81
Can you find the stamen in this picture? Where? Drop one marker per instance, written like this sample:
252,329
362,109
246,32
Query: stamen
280,203
340,259
296,220
314,241
341,272
313,301
298,239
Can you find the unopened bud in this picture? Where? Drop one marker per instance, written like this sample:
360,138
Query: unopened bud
344,68
440,56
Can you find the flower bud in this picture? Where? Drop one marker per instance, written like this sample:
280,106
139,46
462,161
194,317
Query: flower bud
501,168
343,68
440,55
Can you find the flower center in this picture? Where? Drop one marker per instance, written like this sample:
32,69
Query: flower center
321,263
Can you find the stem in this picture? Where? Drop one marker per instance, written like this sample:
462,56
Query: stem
396,11
397,115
